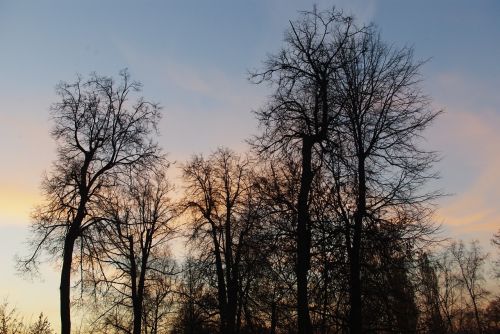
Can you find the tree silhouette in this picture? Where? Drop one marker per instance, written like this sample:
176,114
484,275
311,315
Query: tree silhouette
219,199
98,132
301,114
496,242
377,165
128,245
430,309
324,226
41,326
10,321
469,274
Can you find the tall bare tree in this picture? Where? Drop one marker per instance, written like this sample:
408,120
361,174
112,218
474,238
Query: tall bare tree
301,114
378,165
99,131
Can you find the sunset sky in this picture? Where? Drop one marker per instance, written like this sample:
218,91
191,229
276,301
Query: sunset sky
193,57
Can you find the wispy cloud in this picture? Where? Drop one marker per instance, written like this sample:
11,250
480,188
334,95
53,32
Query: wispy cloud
204,106
468,137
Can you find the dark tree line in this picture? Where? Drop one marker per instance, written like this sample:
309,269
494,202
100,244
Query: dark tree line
324,226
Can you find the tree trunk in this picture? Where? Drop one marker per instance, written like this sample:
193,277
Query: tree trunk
137,304
355,315
326,281
231,272
232,306
273,318
65,285
136,307
304,239
69,244
137,286
476,314
221,286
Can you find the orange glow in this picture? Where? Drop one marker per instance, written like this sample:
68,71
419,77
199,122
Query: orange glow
16,204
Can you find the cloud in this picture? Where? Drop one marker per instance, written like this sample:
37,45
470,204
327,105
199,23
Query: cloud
204,106
468,137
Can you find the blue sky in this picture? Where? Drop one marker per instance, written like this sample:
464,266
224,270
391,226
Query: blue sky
193,58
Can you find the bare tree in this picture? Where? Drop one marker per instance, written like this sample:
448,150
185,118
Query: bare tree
470,263
41,326
496,242
10,321
99,131
219,199
375,156
193,314
430,306
451,297
127,246
301,115
493,315
160,295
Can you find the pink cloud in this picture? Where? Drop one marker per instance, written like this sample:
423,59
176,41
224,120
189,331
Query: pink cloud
469,140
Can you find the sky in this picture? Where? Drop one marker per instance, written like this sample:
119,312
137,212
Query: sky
193,57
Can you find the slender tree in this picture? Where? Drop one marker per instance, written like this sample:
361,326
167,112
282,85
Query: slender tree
218,195
99,131
127,246
430,307
193,316
275,292
470,263
450,294
496,242
378,167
